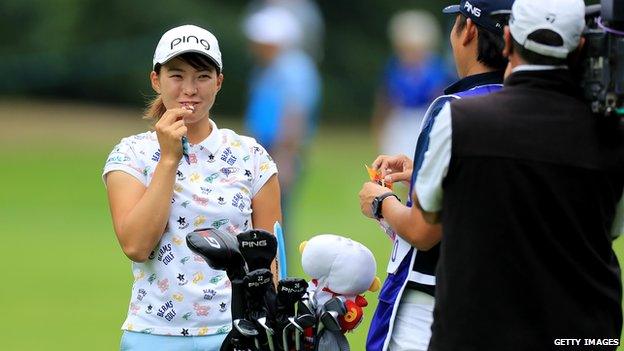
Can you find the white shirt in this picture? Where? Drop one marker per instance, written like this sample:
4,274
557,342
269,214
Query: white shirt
175,292
428,188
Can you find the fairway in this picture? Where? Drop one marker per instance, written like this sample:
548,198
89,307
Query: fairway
66,282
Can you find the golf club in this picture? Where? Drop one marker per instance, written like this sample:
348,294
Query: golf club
220,251
257,283
292,324
290,291
328,319
304,321
247,329
258,248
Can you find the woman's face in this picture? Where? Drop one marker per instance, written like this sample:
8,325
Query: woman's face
179,85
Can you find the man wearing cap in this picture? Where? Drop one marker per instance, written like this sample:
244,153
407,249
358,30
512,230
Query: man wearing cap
528,189
403,317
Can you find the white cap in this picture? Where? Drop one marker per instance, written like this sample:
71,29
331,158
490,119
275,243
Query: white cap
187,38
564,17
273,25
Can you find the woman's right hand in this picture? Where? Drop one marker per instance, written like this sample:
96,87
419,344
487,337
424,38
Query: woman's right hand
170,129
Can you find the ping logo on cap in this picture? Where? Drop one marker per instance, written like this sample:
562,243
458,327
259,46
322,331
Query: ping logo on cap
472,9
188,39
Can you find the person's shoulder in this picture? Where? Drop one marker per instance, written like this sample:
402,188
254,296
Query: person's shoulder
484,100
140,142
245,146
478,107
231,137
134,150
144,137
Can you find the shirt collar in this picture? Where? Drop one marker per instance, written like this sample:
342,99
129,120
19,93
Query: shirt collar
469,82
213,142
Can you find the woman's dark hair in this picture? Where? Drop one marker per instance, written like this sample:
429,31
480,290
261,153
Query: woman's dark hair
155,108
490,46
542,36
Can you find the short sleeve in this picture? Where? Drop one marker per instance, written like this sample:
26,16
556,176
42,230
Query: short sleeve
618,223
435,164
264,167
124,158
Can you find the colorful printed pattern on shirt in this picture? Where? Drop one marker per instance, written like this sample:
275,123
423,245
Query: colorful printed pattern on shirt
175,292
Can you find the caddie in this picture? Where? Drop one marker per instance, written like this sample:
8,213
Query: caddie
404,314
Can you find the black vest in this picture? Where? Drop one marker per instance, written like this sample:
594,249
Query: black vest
529,201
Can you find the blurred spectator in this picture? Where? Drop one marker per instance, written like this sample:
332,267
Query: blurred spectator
412,78
284,91
309,17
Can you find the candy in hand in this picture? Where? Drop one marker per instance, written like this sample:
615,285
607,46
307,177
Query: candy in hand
375,176
185,143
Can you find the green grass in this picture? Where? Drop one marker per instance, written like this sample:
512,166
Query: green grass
65,281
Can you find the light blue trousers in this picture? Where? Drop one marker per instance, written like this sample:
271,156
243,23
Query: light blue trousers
133,341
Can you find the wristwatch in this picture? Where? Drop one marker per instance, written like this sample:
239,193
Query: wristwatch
377,201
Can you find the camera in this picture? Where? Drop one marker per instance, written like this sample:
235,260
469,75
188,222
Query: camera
602,60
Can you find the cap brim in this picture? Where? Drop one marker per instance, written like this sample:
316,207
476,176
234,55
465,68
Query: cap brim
178,53
453,9
501,13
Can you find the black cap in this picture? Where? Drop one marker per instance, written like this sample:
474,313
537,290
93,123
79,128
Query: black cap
485,13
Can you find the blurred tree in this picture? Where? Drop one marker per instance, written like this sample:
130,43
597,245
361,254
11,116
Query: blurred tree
101,50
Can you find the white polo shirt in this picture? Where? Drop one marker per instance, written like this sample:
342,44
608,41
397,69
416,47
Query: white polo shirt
175,292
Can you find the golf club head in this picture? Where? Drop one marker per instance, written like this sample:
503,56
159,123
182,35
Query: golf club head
332,309
258,248
245,327
302,322
305,320
305,307
294,323
220,250
263,322
335,304
269,332
329,319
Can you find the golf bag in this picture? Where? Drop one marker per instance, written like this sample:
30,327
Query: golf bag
265,318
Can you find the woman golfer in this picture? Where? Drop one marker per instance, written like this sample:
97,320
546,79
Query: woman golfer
159,191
